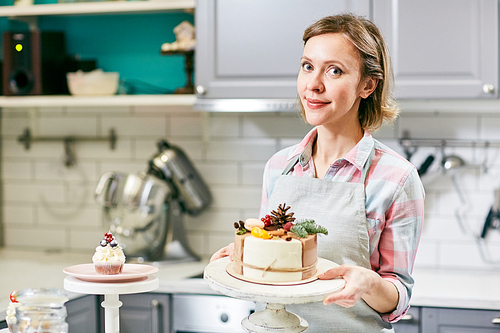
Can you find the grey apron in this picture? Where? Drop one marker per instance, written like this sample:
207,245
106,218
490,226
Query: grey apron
340,207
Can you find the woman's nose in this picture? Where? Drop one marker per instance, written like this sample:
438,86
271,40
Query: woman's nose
315,83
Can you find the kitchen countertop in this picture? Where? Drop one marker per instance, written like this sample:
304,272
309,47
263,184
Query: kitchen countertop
434,288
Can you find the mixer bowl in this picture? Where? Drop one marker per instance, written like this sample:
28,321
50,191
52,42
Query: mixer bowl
138,197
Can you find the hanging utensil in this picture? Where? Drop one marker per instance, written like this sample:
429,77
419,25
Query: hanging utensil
493,219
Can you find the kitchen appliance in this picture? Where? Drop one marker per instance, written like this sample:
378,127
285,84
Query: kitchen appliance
208,313
33,63
144,211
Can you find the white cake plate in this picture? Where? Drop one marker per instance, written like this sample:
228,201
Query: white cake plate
274,318
111,292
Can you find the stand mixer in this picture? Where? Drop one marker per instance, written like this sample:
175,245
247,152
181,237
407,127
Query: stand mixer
144,210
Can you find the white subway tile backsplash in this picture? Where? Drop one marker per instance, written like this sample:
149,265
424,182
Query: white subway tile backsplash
223,125
192,125
219,173
269,126
19,214
67,126
133,125
48,206
241,149
439,127
17,170
31,192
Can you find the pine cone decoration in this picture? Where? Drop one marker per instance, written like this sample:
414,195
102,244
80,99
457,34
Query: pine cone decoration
280,217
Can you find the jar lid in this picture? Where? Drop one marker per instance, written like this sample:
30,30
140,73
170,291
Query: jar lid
42,297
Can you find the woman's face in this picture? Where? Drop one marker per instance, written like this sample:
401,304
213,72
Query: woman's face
329,84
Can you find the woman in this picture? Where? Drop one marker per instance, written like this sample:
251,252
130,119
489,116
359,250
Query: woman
369,198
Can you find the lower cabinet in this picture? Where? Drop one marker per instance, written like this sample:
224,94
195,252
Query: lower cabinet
146,313
410,323
447,320
165,313
442,320
83,314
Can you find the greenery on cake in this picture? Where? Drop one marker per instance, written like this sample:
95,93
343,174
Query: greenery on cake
306,228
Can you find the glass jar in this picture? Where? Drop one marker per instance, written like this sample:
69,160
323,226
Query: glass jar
41,311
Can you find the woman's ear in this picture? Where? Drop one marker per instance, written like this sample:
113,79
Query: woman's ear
370,84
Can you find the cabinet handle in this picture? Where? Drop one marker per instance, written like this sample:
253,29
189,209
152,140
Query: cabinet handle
496,321
488,88
156,326
407,317
200,90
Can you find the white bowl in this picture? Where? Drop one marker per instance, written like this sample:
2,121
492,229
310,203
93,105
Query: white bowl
94,83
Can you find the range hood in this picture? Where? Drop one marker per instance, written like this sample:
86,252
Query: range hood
246,105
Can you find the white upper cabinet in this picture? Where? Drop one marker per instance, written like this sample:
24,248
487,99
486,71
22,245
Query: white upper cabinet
441,48
252,48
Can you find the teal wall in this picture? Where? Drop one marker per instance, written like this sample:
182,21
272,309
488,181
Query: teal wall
128,44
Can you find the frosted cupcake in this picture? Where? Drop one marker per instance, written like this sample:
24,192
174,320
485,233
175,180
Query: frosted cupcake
108,257
11,310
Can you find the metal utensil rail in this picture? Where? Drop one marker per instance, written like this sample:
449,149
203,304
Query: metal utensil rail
410,145
70,157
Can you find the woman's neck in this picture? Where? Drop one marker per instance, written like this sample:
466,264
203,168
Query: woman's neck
332,145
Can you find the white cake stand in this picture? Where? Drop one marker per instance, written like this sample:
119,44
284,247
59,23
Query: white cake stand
274,318
111,292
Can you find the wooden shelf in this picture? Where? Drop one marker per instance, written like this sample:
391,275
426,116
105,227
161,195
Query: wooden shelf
94,8
77,101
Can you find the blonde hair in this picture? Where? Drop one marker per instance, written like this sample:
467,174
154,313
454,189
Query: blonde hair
380,106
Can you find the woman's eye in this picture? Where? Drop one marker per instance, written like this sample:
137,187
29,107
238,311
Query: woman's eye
334,71
307,66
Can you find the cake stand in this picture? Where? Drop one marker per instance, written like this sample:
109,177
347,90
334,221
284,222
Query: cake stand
275,318
111,292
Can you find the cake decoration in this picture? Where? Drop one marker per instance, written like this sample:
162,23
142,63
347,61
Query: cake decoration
108,258
276,248
10,317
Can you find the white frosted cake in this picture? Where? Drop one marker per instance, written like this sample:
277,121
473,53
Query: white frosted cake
276,251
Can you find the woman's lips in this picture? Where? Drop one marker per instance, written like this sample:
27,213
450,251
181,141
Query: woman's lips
315,103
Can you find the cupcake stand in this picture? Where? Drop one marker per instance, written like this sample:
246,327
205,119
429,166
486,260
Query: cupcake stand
221,277
134,279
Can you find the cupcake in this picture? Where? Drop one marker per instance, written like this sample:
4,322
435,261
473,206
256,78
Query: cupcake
11,310
108,257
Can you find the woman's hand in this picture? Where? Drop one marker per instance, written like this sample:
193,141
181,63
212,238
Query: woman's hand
226,251
364,283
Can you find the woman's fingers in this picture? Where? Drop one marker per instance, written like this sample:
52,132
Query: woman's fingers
226,251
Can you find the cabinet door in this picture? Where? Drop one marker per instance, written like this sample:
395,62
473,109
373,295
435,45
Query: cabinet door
252,48
410,323
83,315
441,49
145,313
440,320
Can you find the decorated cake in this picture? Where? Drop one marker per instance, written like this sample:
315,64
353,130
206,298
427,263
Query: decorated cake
276,248
10,318
108,257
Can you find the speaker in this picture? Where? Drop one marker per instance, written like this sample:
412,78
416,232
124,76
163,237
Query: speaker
34,63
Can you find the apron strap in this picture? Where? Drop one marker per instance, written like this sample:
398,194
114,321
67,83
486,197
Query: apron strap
366,168
290,165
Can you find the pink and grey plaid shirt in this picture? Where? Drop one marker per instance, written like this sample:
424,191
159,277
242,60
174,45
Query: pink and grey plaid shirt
394,205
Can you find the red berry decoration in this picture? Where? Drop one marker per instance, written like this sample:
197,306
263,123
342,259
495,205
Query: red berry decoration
13,296
288,226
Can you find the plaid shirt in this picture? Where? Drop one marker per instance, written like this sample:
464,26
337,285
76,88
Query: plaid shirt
394,205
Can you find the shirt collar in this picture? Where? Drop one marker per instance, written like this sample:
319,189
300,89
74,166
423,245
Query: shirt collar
356,156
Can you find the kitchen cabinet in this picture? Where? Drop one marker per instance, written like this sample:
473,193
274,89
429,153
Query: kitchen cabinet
252,48
141,47
442,320
148,312
410,323
441,49
83,314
